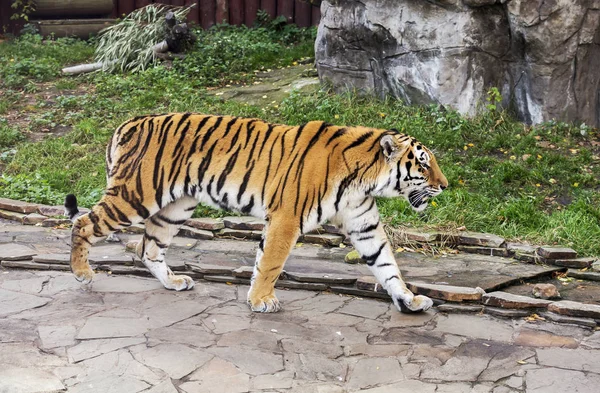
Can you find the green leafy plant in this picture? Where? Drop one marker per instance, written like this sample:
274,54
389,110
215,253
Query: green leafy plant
493,98
22,9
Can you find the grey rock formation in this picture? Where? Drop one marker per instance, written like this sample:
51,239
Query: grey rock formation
543,55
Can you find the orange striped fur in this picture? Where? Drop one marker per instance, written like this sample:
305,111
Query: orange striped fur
296,177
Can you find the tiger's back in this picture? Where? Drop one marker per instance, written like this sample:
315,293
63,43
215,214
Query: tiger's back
296,177
231,163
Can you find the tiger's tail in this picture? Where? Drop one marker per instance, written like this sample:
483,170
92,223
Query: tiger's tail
71,209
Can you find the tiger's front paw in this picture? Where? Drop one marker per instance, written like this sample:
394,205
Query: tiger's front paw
84,275
180,282
267,303
418,304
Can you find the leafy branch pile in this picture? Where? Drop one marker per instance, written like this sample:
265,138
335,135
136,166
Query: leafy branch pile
133,43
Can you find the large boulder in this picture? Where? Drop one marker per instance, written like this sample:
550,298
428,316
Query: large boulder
543,55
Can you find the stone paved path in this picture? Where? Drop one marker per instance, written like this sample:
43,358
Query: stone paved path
128,334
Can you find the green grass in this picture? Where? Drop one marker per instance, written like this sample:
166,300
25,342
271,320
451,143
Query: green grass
528,183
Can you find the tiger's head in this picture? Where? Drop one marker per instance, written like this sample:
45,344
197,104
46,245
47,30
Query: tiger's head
410,171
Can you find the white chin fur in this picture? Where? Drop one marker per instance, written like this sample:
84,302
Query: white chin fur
420,208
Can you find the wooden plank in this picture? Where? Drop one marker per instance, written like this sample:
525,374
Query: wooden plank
316,16
207,13
115,9
141,3
222,11
194,15
236,12
270,6
302,13
250,9
286,8
126,6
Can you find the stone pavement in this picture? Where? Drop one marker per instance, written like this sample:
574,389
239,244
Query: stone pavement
128,334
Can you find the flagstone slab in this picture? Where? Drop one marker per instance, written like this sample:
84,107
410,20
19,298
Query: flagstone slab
375,371
480,239
205,223
60,259
244,222
122,284
25,265
57,336
18,206
28,380
91,348
573,359
445,292
250,361
33,219
175,359
550,252
15,302
536,338
104,327
196,233
321,278
326,239
508,300
16,252
11,215
575,309
546,380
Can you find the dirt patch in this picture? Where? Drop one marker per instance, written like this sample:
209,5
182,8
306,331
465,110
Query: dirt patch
272,87
31,105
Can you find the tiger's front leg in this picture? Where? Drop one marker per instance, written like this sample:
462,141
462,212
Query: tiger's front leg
368,237
279,237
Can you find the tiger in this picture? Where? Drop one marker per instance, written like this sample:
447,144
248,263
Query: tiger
160,167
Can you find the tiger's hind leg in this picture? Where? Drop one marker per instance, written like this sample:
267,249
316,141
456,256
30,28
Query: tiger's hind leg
110,214
160,230
280,236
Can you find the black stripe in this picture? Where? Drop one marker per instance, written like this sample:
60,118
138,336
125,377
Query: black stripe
228,168
169,220
244,183
230,124
156,240
368,209
298,134
371,259
209,132
366,229
358,141
249,129
392,277
345,183
368,237
337,134
248,208
196,137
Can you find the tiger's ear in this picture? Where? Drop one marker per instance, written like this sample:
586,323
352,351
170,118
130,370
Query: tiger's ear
390,147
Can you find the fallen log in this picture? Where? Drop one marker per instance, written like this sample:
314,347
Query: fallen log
158,49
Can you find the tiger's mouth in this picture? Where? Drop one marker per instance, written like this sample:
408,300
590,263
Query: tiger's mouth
418,198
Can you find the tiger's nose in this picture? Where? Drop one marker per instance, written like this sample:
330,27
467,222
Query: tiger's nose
442,187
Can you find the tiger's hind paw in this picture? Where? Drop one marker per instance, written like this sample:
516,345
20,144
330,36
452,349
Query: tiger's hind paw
419,303
268,303
84,275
